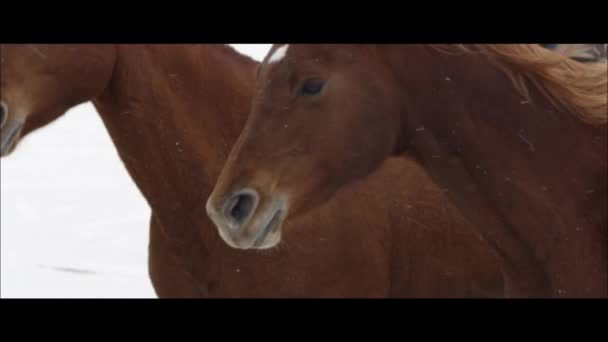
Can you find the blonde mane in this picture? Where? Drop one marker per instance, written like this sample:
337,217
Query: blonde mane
581,88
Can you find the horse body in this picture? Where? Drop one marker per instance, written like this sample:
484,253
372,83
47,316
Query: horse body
173,113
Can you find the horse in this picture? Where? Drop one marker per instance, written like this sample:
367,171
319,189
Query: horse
515,135
173,112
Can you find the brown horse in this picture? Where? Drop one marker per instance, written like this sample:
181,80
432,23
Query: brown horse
173,113
514,134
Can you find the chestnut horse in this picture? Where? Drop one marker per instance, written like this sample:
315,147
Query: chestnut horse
514,134
173,112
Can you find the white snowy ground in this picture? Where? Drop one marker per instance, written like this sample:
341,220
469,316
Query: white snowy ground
72,223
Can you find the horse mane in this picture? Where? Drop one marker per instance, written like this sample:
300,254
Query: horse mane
580,88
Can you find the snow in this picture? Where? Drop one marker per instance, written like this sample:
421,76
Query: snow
72,222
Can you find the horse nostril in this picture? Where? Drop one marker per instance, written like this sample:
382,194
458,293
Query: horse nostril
239,207
3,114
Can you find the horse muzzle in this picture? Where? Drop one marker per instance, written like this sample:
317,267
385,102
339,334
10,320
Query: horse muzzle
247,221
9,135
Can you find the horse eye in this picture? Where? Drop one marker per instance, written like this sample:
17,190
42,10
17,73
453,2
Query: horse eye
312,86
3,114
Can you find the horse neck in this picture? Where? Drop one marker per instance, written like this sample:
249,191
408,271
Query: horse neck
173,113
509,159
465,102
